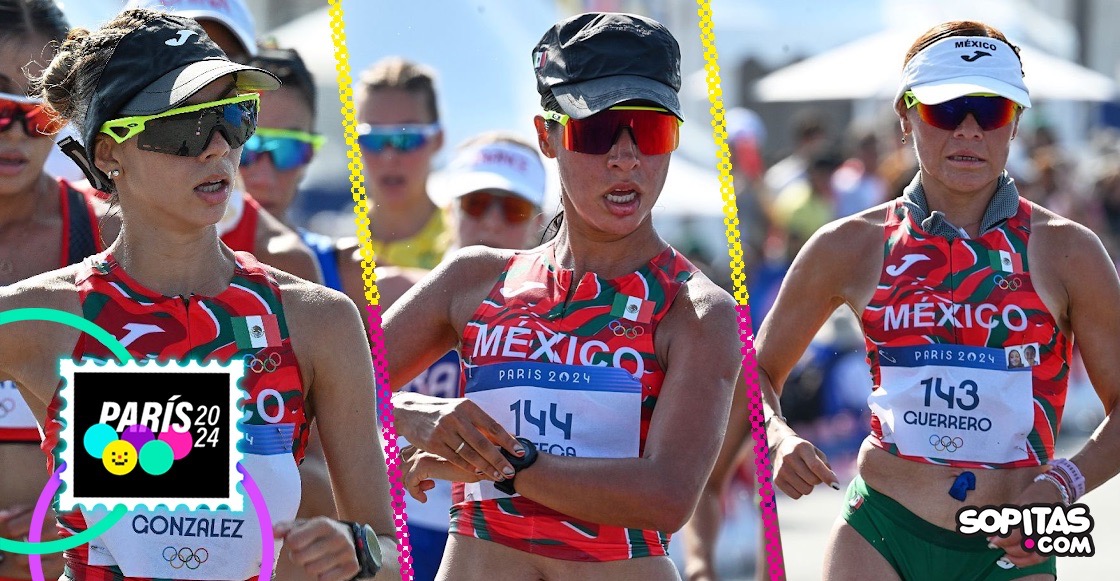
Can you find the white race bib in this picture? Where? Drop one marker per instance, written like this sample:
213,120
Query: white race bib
566,410
954,402
185,544
14,413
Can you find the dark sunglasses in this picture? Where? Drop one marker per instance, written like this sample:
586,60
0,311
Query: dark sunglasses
37,121
287,148
187,130
515,209
655,131
403,138
990,112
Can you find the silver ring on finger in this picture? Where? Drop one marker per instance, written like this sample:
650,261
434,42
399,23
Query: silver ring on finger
461,444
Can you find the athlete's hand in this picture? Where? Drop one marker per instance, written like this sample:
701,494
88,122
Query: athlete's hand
324,547
15,524
799,466
1037,493
455,429
421,468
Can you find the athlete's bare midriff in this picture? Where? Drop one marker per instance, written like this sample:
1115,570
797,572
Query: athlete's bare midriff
471,559
924,488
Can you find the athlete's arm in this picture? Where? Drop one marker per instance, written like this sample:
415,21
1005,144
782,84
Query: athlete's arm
30,350
331,348
698,341
827,273
422,326
1073,254
701,533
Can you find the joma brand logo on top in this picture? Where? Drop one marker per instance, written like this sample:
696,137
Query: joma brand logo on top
965,316
523,343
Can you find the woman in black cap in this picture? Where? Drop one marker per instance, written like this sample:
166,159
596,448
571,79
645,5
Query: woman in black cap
163,115
604,351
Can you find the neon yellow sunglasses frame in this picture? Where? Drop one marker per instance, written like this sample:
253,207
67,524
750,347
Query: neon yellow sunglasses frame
135,125
315,140
562,118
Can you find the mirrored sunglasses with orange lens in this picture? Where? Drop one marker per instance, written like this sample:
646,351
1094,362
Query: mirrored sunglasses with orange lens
37,119
990,111
655,130
515,209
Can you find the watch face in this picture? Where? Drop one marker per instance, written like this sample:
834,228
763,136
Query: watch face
371,563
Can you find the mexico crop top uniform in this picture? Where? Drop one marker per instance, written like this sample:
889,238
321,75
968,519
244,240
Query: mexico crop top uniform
573,369
949,332
81,237
970,370
245,321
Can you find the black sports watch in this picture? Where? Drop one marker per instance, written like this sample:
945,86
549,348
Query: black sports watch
519,463
368,549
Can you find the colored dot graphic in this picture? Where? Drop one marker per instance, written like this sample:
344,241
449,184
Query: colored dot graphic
136,445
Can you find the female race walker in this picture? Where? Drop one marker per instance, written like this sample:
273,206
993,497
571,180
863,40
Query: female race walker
947,280
163,115
604,350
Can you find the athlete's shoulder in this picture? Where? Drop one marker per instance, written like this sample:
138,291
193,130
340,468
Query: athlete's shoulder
48,294
311,302
1050,223
55,289
838,242
1065,244
282,247
705,302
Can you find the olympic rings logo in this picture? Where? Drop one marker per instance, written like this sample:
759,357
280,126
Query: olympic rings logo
1011,284
185,557
619,329
266,365
945,443
7,406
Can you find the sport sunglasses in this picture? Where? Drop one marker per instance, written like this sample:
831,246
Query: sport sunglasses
656,131
288,148
37,120
990,112
515,209
403,138
187,130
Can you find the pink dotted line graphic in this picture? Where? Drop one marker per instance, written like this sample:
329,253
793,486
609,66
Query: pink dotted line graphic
389,433
767,504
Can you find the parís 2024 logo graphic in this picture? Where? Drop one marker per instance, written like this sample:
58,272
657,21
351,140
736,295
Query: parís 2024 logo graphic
150,434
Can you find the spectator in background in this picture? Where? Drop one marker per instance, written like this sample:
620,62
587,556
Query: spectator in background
856,183
807,203
399,133
810,134
274,161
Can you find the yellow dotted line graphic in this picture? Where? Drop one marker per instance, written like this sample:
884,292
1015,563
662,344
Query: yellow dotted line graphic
353,152
767,502
377,343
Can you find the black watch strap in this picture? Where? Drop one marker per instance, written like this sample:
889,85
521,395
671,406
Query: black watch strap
519,463
367,548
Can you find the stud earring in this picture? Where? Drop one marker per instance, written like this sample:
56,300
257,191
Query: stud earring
114,174
904,139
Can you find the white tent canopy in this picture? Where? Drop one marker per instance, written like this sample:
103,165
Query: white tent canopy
871,67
